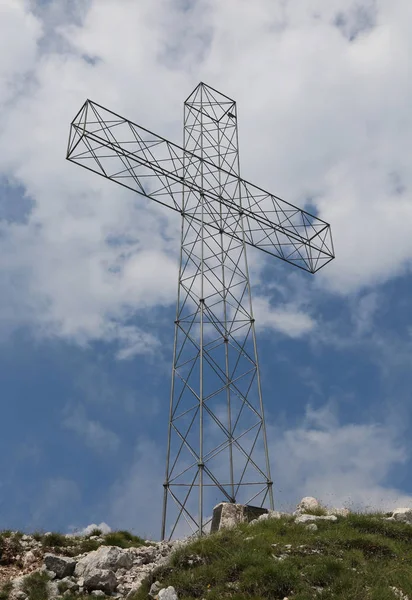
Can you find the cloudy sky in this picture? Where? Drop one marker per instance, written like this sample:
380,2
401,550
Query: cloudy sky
323,92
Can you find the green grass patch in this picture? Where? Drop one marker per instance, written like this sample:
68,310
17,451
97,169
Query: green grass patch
6,533
5,591
319,511
123,539
9,548
83,597
87,546
355,558
62,586
35,586
55,540
94,532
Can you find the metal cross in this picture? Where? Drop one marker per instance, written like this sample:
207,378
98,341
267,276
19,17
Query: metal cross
217,447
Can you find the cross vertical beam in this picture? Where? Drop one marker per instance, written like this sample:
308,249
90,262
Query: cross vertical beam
214,295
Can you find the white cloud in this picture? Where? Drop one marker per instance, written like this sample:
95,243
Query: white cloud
20,32
316,122
57,494
287,319
91,432
340,464
104,528
135,499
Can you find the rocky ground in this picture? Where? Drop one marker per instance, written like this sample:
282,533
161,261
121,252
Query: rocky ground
52,566
107,571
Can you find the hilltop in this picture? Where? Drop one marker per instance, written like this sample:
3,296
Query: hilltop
312,554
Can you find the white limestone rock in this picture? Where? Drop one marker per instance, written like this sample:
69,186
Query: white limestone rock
28,559
307,503
168,594
18,595
155,589
339,512
17,592
271,514
399,593
70,584
100,579
312,518
403,514
52,590
104,558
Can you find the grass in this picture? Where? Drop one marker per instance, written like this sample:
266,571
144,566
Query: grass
83,597
9,546
5,591
86,545
54,540
319,511
359,557
75,545
95,532
35,586
123,539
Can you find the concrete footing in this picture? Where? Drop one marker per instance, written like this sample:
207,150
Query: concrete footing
227,514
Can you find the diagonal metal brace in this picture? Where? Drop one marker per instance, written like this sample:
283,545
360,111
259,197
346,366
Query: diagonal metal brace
136,158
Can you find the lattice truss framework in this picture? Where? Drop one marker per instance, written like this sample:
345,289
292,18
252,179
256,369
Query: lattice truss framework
217,447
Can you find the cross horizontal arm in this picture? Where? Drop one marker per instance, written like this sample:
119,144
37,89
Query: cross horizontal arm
107,144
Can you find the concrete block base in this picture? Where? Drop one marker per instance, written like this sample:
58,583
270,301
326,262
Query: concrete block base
227,514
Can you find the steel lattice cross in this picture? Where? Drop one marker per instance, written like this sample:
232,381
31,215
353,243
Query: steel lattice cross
217,446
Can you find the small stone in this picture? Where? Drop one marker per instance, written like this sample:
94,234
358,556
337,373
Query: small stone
275,514
50,574
311,518
107,558
52,590
312,527
155,588
100,579
28,559
168,594
308,503
339,512
403,514
70,584
399,594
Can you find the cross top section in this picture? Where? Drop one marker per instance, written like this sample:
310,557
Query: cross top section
118,149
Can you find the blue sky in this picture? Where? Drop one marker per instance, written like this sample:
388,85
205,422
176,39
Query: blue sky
89,272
